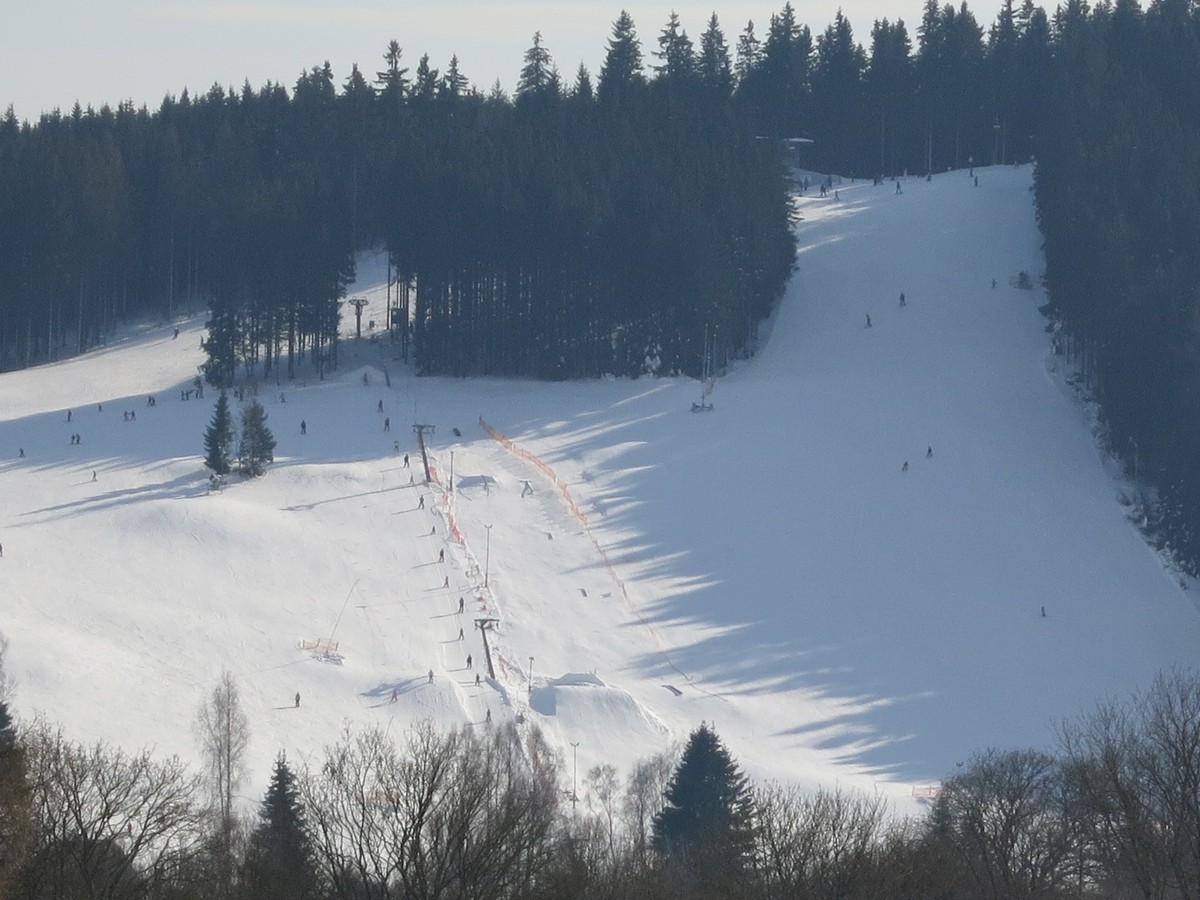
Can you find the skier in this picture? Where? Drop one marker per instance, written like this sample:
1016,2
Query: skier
68,415
387,424
898,191
929,453
442,555
431,676
421,502
380,406
460,634
394,695
476,679
297,699
468,660
303,427
904,468
175,335
366,380
93,474
21,452
868,320
993,284
396,446
489,715
446,582
460,604
432,530
405,455
1043,608
902,301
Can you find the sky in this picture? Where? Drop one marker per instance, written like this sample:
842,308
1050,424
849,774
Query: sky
883,549
141,50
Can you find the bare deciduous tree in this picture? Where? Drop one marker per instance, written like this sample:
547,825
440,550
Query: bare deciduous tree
223,733
1006,818
451,814
1135,770
107,824
819,844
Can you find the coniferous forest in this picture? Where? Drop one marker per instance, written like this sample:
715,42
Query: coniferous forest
602,223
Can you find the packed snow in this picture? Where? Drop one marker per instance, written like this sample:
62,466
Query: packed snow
884,548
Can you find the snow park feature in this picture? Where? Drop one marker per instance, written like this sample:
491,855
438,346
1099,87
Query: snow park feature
767,568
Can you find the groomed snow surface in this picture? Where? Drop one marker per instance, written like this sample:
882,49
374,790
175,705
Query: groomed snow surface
769,566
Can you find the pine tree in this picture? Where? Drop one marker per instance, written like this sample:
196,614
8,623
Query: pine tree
706,826
622,69
218,437
257,448
279,862
537,73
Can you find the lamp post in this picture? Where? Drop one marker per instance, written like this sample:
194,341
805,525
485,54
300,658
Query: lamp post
487,554
531,676
574,775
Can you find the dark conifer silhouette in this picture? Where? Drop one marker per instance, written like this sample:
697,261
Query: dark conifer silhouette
706,827
219,437
257,447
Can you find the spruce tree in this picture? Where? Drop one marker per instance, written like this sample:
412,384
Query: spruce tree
279,861
218,437
257,448
622,69
706,826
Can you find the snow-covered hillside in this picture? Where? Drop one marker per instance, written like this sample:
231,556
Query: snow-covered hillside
769,566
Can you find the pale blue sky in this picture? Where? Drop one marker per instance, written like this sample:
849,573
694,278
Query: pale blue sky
105,51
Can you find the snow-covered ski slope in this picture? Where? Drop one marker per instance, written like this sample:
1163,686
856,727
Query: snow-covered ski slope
767,566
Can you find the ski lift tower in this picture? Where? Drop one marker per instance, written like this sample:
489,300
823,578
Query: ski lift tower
421,431
707,378
358,303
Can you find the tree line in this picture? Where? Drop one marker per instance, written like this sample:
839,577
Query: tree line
494,812
1119,209
583,226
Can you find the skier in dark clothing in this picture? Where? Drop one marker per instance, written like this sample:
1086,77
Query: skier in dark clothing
460,604
929,453
468,660
441,556
904,468
406,460
868,320
421,502
387,424
303,427
902,302
297,699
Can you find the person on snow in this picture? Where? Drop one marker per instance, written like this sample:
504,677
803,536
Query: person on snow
904,468
303,427
431,676
929,453
460,604
405,455
468,660
902,301
421,502
297,699
868,320
446,582
442,555
394,695
460,634
476,679
387,424
380,407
